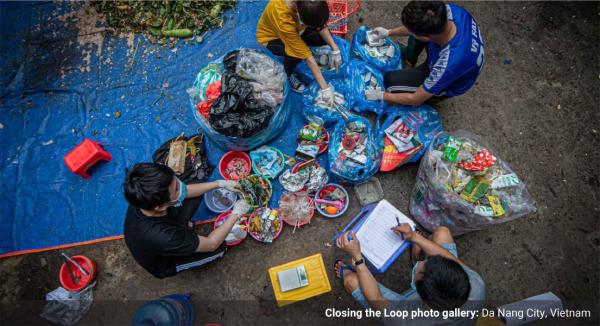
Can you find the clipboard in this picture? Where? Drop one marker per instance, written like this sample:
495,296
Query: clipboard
356,223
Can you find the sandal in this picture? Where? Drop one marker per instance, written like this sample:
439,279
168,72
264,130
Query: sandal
342,269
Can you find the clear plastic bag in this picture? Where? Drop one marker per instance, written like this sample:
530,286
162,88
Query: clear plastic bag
368,54
461,199
424,120
64,307
362,77
266,73
303,70
329,115
279,117
349,162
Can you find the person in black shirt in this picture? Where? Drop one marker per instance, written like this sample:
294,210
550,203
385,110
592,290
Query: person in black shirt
158,228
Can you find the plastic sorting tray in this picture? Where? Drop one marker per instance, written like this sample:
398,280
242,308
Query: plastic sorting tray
369,191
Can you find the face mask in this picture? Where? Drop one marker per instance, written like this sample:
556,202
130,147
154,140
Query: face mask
182,193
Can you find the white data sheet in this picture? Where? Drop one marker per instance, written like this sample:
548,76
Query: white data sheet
377,240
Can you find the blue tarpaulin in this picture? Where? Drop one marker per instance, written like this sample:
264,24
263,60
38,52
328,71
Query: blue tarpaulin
66,78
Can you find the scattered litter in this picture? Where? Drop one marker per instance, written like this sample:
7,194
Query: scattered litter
507,61
118,114
46,143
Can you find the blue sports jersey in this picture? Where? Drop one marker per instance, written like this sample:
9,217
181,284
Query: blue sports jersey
455,67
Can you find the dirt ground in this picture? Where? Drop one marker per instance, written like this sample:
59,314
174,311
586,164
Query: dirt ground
537,102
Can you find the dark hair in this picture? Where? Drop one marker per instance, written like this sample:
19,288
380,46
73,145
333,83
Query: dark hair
445,284
313,13
425,17
147,185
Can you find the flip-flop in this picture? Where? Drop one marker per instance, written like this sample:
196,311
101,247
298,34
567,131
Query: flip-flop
342,269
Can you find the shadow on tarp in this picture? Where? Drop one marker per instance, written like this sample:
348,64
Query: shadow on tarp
56,90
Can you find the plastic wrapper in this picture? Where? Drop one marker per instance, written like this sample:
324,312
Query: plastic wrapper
197,169
267,161
464,200
64,307
312,107
309,178
318,52
378,57
424,121
256,190
354,155
362,77
296,208
265,224
232,133
207,75
293,181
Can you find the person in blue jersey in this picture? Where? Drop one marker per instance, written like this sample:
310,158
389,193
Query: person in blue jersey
454,46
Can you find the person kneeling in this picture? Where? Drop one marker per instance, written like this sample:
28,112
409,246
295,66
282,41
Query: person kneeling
439,280
158,229
454,54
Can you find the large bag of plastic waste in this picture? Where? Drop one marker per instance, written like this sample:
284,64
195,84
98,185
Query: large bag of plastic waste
252,107
362,77
321,55
314,106
405,133
353,152
463,185
385,57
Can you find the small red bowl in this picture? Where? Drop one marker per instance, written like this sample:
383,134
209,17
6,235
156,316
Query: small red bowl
84,280
312,211
230,156
324,139
223,216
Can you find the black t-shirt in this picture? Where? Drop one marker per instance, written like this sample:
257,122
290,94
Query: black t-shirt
156,243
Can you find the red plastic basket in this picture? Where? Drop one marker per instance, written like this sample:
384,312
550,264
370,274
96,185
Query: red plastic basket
339,11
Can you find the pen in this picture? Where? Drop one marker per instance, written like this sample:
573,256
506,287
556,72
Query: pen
398,222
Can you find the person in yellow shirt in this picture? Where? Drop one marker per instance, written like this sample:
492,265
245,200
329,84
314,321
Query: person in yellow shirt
288,27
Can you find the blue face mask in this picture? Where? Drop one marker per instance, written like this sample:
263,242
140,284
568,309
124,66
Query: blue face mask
182,193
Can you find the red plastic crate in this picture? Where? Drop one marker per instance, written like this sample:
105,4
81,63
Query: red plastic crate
339,11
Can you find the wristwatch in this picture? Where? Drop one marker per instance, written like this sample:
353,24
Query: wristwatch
357,262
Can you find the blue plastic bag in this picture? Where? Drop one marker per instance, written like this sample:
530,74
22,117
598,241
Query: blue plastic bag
329,116
358,70
277,123
359,39
345,169
303,70
424,119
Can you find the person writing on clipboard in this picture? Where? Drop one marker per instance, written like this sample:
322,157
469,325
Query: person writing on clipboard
439,280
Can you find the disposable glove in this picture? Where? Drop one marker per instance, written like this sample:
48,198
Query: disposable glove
381,32
328,95
374,95
240,207
335,60
229,185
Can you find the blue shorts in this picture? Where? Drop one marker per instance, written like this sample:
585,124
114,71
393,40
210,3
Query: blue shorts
394,296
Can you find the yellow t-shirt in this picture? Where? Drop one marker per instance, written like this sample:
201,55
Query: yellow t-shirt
279,21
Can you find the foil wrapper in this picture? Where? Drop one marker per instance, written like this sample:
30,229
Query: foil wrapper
293,182
318,177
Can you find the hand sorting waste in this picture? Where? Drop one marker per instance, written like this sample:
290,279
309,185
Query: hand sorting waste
463,185
252,86
327,98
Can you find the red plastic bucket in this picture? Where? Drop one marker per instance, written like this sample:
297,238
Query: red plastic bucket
230,156
84,280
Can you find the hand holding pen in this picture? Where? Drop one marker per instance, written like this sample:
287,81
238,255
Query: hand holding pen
404,230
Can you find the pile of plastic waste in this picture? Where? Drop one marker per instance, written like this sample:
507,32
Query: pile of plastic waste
463,185
296,208
252,86
268,161
310,178
311,139
383,53
256,190
264,224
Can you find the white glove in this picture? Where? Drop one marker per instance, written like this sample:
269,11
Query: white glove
335,60
229,185
380,32
328,95
240,207
374,95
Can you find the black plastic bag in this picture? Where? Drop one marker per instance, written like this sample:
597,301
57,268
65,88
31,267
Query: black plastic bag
236,112
197,168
